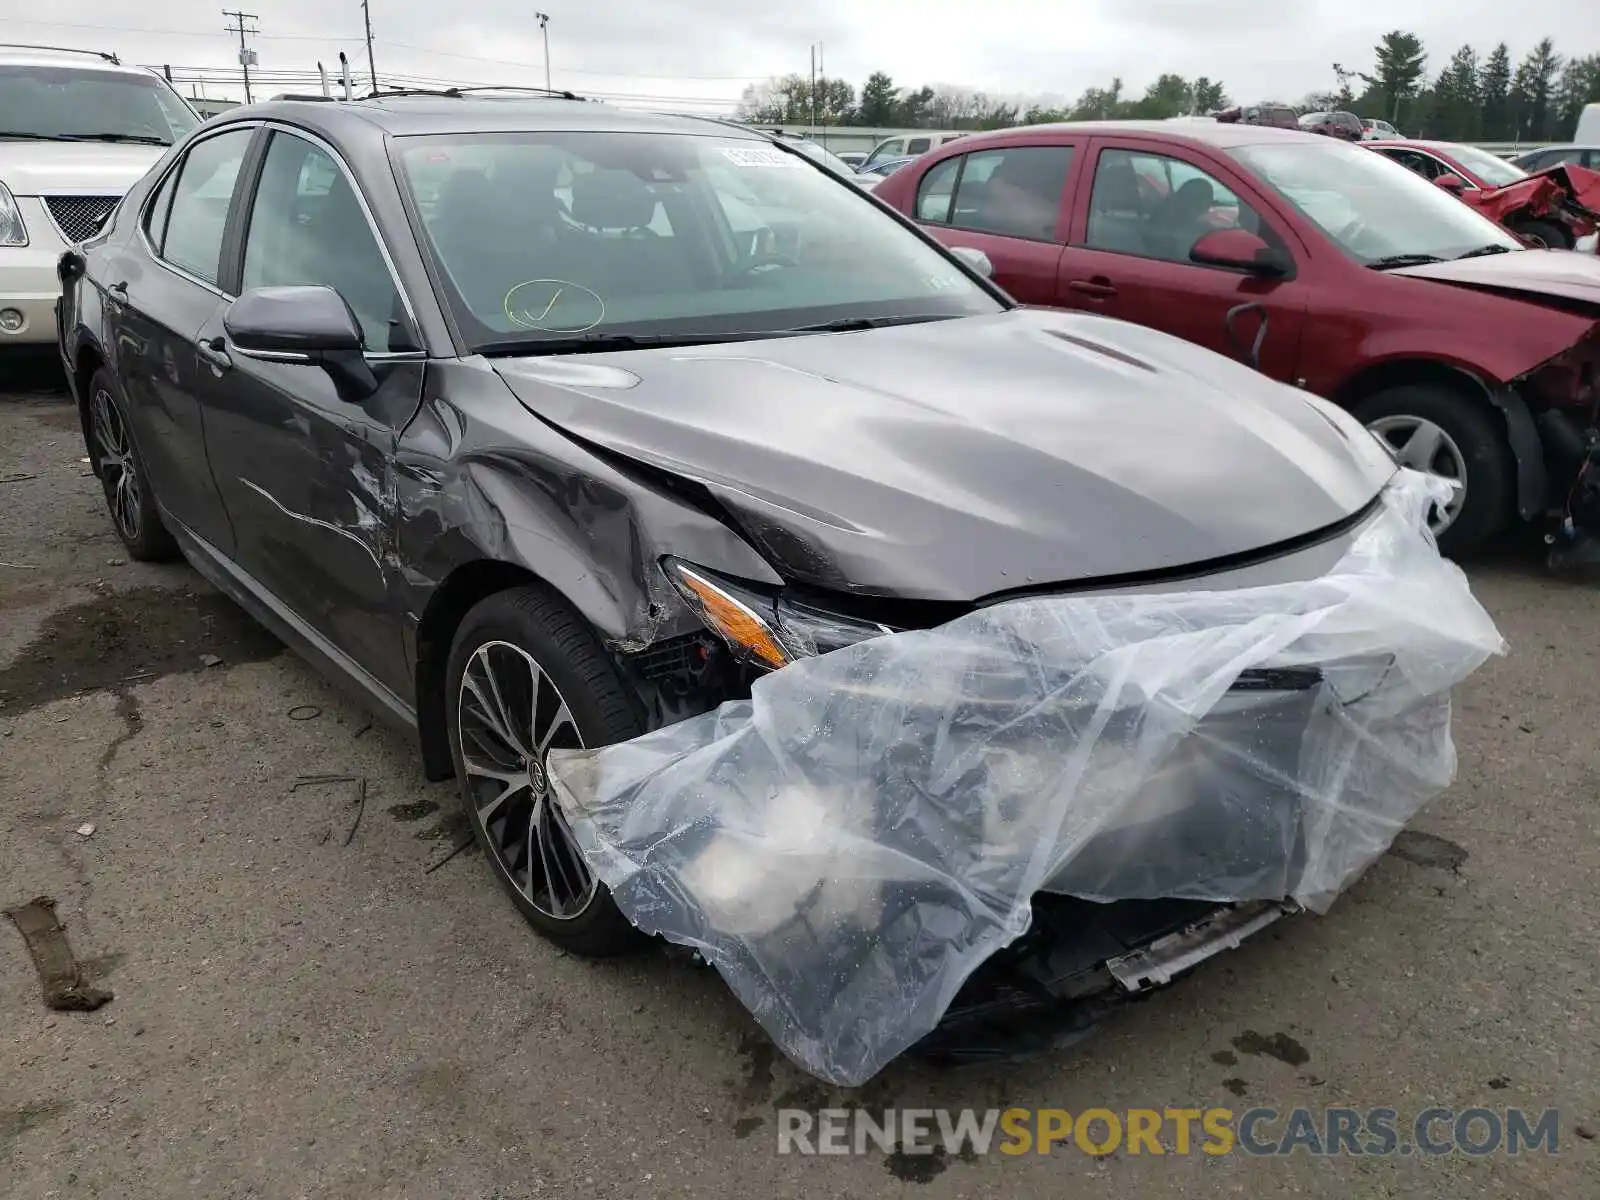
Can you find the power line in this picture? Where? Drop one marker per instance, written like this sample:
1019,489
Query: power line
266,37
506,62
243,23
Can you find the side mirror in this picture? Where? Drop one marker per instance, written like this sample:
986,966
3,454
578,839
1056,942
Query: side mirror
1238,250
975,260
303,324
292,324
1449,183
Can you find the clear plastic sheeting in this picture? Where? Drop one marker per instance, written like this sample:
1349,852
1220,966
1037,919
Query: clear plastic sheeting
850,844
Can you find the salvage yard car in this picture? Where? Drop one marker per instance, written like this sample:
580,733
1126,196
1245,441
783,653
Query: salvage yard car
1326,265
1557,205
480,404
77,128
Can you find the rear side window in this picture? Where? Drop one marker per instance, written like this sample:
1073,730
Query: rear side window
199,211
1012,192
155,217
936,191
918,145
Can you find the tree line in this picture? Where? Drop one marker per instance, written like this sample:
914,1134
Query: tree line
1471,97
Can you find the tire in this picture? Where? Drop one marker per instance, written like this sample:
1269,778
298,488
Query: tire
1554,236
1475,438
507,633
130,497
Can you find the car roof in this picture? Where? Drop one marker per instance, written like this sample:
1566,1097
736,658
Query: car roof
1220,134
411,114
84,60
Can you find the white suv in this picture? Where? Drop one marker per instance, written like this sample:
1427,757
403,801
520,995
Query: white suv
77,130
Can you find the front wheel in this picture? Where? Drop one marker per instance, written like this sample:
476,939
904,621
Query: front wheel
528,676
1446,433
1547,233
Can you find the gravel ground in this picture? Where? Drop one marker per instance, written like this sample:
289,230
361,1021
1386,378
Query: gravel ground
311,1001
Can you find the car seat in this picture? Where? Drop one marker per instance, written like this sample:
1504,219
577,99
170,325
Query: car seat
1116,217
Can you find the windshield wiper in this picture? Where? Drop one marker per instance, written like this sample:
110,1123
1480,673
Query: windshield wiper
1479,252
24,136
1403,260
853,324
604,343
143,139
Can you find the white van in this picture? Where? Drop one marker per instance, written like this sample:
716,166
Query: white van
906,145
1588,131
77,130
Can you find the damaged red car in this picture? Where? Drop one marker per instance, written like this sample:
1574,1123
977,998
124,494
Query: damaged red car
1325,266
1558,207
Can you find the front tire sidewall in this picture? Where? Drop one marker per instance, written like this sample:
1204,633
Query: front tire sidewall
573,659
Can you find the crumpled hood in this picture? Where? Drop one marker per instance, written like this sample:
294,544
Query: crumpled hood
74,168
955,459
1545,193
1535,273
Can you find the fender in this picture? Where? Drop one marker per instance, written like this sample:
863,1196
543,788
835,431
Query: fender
1527,450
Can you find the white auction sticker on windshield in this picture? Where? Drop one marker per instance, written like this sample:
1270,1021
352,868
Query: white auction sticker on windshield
760,156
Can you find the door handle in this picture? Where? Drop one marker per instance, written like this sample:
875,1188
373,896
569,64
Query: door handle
1099,287
214,352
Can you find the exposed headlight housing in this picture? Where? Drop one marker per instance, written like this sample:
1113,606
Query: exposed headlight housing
764,630
12,231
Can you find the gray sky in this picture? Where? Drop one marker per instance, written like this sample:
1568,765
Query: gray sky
699,54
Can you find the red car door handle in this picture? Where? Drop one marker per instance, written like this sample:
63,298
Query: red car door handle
1098,288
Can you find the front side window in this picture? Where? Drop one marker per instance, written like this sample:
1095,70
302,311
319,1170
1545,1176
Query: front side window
1155,206
550,235
70,104
308,227
1012,192
199,211
1371,207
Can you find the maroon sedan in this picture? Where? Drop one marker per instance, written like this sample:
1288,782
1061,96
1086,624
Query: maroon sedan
1323,264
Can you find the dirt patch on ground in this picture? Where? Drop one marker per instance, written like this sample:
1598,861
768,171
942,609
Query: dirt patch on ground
124,638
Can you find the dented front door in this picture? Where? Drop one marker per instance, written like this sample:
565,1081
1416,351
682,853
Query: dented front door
306,474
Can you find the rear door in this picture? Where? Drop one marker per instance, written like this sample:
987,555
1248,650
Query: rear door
156,309
1139,211
1012,202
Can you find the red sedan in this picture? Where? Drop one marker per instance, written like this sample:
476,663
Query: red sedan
1329,267
1558,207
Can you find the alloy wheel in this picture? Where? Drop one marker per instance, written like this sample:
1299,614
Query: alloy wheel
118,472
509,716
1424,446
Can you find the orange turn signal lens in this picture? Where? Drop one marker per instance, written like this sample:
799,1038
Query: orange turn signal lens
736,621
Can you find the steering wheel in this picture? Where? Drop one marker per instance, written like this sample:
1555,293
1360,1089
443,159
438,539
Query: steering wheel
756,261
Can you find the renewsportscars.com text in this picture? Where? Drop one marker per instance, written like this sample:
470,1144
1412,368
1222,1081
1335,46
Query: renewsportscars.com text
1214,1131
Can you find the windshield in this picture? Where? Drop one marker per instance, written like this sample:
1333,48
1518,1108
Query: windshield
550,235
72,103
1491,168
1373,208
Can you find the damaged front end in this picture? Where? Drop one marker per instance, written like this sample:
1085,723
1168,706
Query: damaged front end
1111,787
1566,194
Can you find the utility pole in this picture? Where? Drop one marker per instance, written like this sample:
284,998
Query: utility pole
372,70
822,79
813,85
243,23
544,29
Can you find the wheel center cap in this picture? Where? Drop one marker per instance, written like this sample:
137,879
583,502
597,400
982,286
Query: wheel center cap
536,774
